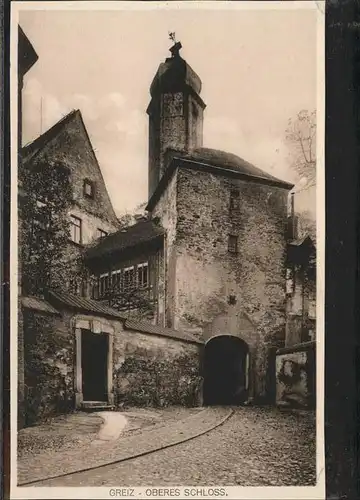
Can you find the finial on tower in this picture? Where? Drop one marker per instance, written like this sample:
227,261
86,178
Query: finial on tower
175,49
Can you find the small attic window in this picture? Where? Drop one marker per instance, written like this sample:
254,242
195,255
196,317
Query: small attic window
89,188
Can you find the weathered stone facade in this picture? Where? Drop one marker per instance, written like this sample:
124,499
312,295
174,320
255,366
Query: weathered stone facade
209,288
205,281
142,367
215,247
175,114
68,143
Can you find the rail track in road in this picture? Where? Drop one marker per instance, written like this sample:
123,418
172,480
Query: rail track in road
180,437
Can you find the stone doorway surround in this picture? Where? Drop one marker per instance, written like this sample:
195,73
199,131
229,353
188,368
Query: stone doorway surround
97,326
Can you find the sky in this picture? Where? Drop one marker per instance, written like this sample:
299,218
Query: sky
258,69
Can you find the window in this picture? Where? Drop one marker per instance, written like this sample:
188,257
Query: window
116,280
129,276
234,199
88,188
100,233
142,275
75,229
233,243
103,284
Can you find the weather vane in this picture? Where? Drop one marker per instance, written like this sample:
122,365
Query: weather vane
172,36
175,49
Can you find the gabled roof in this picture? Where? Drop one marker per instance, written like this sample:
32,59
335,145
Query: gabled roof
61,142
29,150
83,304
231,162
138,234
93,306
217,162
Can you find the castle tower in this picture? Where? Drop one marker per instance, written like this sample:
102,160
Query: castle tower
175,113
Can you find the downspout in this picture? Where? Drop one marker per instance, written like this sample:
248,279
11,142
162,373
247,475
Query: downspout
164,279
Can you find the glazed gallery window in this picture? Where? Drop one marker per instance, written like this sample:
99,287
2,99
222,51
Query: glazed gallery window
75,229
129,277
142,275
233,243
116,282
122,280
103,284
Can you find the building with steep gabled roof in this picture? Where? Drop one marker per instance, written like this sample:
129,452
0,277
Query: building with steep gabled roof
205,267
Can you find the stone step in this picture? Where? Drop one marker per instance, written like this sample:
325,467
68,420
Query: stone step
96,406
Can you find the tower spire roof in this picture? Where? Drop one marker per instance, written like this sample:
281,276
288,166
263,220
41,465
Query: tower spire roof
175,72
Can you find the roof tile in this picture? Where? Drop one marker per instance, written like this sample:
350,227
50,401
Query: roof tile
95,307
141,232
37,304
159,330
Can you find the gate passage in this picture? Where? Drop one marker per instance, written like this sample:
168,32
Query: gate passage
225,371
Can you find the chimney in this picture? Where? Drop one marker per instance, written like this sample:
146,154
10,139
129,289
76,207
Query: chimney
292,219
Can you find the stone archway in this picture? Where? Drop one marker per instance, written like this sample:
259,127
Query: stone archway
226,371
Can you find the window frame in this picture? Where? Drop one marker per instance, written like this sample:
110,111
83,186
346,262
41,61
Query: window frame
140,269
132,282
100,233
234,249
88,182
73,219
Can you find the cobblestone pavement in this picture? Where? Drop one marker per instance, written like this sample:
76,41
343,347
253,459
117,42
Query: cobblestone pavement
254,447
51,463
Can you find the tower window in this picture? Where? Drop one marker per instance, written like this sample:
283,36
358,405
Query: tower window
75,229
233,243
234,199
88,188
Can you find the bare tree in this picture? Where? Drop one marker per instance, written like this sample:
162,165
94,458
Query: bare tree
301,138
130,218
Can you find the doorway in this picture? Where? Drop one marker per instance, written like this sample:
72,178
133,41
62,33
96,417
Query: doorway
226,367
94,362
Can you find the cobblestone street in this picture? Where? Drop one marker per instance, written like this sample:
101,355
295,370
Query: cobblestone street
254,447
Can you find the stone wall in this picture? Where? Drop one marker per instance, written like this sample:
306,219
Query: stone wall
166,211
175,122
210,281
296,375
155,371
72,147
145,369
49,369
